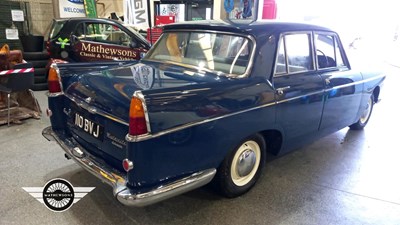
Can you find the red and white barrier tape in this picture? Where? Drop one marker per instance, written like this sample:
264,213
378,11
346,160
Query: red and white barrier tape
27,70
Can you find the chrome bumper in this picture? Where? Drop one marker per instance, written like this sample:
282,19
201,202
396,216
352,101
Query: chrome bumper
108,175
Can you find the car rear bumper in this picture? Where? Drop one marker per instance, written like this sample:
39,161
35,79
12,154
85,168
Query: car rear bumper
118,181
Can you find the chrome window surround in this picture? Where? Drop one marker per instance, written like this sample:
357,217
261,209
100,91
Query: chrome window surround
336,43
54,66
248,68
311,48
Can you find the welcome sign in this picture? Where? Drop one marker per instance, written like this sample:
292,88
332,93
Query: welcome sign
71,8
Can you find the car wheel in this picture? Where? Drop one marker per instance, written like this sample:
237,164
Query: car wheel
242,167
365,115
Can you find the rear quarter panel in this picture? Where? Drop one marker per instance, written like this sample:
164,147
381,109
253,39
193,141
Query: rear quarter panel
221,114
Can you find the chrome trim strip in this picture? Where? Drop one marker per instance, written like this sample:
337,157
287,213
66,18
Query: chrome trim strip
51,95
54,65
119,182
248,68
144,137
139,94
300,96
355,83
131,138
330,89
95,110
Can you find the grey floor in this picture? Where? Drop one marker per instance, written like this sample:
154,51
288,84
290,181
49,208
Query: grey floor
345,178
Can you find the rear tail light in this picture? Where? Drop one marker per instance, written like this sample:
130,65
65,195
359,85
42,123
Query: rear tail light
137,119
53,80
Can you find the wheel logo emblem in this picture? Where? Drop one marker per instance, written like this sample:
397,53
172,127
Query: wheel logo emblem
58,195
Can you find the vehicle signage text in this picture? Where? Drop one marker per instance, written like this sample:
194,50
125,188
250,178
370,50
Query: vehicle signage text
103,52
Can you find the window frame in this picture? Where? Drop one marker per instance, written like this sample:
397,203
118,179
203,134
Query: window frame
249,67
337,44
85,24
311,50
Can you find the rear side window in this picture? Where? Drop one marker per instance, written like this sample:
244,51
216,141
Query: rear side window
294,54
56,28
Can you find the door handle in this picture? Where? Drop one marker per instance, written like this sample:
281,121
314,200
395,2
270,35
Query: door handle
327,81
280,91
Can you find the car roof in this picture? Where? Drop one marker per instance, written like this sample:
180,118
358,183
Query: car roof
246,26
80,19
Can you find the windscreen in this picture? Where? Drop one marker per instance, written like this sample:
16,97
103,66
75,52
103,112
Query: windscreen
217,52
55,28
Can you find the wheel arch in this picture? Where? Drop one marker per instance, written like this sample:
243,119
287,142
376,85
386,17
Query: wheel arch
273,139
376,93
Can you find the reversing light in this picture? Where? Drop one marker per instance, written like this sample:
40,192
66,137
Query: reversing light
53,80
137,119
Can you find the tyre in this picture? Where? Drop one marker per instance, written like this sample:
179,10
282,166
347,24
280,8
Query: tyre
40,71
39,87
242,167
38,63
28,56
365,115
40,79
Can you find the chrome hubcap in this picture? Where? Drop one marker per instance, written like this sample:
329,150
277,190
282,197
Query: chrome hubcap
367,112
245,163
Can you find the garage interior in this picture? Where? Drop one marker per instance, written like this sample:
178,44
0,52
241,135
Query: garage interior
349,177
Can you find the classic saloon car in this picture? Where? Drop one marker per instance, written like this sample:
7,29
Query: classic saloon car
92,39
205,104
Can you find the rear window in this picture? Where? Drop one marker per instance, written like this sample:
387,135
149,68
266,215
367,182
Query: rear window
55,28
229,54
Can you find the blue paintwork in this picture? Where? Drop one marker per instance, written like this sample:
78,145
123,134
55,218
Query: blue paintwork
310,108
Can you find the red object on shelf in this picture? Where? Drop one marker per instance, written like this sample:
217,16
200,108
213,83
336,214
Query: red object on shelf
155,34
269,9
162,20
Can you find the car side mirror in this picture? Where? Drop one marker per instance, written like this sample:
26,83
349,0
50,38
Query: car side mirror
74,38
133,44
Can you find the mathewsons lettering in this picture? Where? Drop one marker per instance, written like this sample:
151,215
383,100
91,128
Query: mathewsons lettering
91,52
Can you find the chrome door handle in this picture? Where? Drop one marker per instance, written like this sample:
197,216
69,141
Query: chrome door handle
281,90
327,81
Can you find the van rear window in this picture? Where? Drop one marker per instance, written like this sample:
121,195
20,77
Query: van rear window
56,27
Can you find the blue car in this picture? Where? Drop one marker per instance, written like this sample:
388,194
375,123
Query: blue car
206,104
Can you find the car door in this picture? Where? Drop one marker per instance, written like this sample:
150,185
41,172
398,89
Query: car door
343,90
95,41
299,89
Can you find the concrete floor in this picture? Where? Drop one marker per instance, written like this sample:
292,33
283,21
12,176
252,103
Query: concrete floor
345,178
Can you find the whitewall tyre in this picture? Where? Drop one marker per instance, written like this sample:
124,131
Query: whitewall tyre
242,167
365,115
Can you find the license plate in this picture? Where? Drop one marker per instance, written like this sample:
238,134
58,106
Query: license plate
88,126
